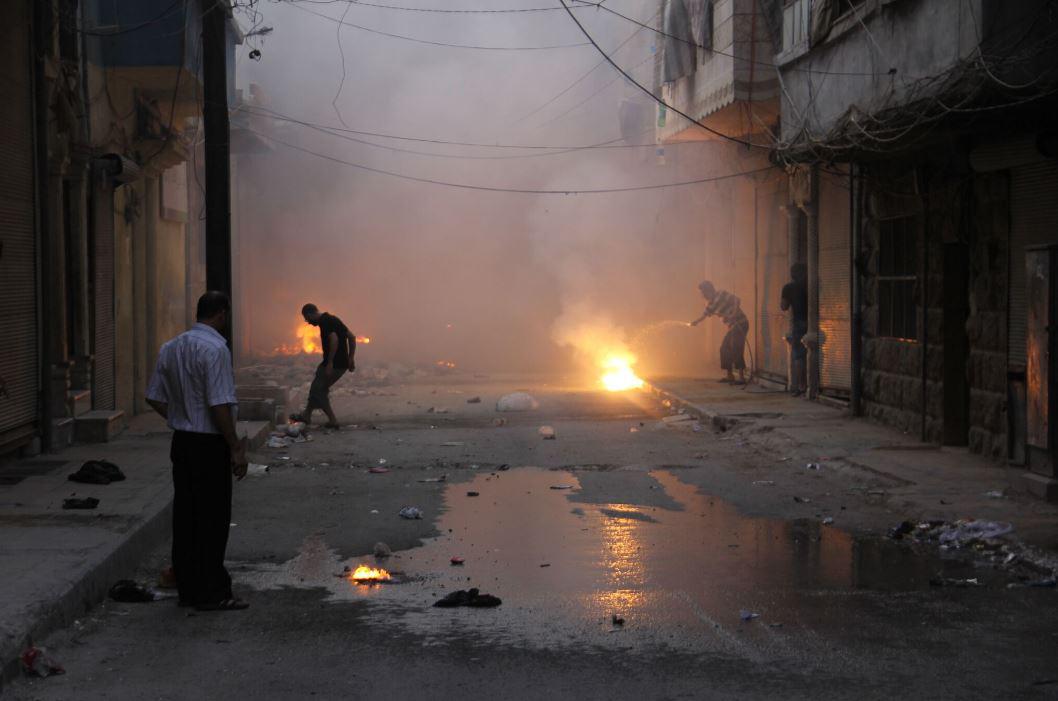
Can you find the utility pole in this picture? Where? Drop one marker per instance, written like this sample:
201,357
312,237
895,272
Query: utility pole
217,145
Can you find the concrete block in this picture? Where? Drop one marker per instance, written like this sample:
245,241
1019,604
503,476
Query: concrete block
78,402
255,432
257,409
1039,486
99,426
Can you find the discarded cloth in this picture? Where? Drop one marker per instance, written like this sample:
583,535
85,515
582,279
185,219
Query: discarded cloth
468,598
97,472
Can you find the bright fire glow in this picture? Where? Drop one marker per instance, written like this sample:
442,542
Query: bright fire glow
363,339
366,574
446,364
308,341
618,375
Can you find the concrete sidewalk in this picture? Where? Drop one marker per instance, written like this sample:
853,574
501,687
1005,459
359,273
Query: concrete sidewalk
56,563
893,470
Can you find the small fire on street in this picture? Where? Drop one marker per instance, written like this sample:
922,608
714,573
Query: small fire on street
618,375
308,341
369,575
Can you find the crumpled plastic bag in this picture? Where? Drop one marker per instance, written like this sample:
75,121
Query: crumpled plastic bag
963,532
38,663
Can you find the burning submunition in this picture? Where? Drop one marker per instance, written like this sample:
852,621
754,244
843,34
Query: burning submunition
308,341
369,575
618,375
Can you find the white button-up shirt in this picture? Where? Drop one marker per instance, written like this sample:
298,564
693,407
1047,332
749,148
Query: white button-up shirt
194,373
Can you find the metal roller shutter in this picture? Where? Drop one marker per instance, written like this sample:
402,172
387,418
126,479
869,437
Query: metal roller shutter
1034,219
835,321
773,271
103,394
19,366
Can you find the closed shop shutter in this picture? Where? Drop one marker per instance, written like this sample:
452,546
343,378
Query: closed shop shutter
1034,219
773,271
19,368
103,396
835,322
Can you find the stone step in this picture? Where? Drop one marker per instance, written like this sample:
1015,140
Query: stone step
78,401
62,432
255,432
99,426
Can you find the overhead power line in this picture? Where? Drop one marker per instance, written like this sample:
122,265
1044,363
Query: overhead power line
402,8
633,81
589,97
402,37
521,191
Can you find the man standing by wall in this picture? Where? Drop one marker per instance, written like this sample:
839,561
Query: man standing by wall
339,347
729,308
193,388
795,299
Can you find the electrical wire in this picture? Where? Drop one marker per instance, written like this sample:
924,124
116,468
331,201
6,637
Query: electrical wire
521,191
633,81
341,84
428,9
437,43
589,97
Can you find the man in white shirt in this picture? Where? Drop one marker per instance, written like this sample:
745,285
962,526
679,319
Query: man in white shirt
193,388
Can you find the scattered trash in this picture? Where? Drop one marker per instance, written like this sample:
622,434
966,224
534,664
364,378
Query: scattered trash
747,615
802,500
295,429
764,483
546,564
453,444
964,532
503,468
473,494
900,530
829,520
517,401
995,494
499,422
474,400
951,582
813,466
378,470
37,662
442,478
277,442
457,561
436,410
382,461
634,429
562,486
80,503
382,550
547,433
129,592
617,620
468,598
410,512
1047,583
97,472
256,470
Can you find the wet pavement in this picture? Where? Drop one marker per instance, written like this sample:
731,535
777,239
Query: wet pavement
680,549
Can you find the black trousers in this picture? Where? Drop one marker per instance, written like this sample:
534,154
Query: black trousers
202,481
731,348
320,389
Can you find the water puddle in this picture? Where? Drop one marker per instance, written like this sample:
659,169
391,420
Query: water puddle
680,570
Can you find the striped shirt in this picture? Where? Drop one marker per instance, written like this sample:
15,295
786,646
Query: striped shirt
194,373
728,307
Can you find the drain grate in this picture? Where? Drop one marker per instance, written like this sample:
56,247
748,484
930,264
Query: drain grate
16,472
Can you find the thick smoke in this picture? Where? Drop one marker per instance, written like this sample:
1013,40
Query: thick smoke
491,281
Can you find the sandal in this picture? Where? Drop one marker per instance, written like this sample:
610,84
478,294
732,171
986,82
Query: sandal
224,605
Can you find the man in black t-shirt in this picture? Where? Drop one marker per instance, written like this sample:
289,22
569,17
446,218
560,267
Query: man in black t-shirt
795,299
339,348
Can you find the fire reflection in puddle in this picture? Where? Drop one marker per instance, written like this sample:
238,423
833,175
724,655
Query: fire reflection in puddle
566,564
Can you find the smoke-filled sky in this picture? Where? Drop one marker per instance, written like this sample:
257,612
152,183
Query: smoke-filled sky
488,280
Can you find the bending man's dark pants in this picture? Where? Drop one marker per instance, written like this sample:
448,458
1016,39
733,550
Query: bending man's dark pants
731,349
201,516
320,389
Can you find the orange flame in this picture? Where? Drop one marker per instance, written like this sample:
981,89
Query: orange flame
448,364
365,574
363,339
308,341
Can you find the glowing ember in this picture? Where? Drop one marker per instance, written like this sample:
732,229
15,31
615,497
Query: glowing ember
618,375
363,339
446,364
368,575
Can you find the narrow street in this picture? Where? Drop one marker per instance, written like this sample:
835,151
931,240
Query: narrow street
657,521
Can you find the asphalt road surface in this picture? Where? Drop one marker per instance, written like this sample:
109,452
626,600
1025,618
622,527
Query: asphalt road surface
723,591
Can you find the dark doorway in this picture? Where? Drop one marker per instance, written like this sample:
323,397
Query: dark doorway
956,344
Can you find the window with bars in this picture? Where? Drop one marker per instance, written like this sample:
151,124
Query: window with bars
897,278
